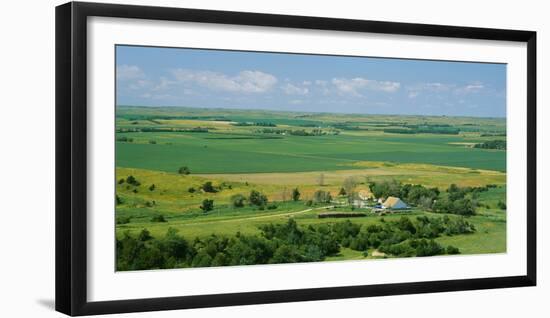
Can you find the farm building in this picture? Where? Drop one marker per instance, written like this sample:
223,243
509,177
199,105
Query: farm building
394,203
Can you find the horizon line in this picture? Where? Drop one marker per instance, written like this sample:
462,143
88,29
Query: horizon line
308,112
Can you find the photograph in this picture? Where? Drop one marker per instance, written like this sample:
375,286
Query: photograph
232,158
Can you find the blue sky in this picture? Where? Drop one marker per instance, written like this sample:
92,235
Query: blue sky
150,76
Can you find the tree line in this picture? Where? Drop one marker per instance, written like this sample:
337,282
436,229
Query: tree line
288,243
492,144
455,200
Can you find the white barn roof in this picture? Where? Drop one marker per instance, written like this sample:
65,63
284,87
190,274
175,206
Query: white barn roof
394,203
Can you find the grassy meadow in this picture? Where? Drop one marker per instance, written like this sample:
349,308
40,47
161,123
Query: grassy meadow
273,153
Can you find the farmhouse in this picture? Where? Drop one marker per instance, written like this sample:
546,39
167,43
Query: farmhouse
394,203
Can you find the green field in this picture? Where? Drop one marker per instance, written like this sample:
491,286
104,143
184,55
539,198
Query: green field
235,149
275,152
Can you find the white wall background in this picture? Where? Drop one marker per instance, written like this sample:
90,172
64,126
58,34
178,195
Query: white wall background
27,158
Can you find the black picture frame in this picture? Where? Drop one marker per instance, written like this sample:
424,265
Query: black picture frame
71,157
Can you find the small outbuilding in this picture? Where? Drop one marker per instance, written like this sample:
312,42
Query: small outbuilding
393,203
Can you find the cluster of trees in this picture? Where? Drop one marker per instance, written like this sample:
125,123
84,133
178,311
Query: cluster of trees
455,200
297,132
424,130
345,126
321,196
493,144
261,124
154,118
209,187
413,194
255,198
124,139
288,243
163,129
131,180
284,243
404,237
463,206
459,200
493,134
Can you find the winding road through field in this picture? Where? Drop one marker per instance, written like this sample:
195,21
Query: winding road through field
237,219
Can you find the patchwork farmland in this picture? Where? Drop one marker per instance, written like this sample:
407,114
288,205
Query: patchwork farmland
235,187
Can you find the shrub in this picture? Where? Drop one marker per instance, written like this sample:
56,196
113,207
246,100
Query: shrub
207,205
340,215
208,187
144,235
342,191
152,187
158,218
191,190
405,224
345,229
184,170
451,250
321,196
257,198
202,259
295,194
428,248
122,220
132,180
237,200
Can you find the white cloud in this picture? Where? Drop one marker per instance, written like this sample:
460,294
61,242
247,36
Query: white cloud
353,86
129,72
164,84
139,84
470,88
415,90
439,88
321,82
291,89
244,82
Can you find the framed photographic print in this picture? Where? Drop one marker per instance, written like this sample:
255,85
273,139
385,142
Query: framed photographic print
209,158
